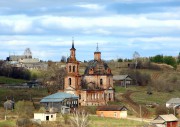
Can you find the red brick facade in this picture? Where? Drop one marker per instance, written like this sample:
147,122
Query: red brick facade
97,88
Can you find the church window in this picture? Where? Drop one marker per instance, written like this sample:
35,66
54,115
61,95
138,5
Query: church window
74,68
102,95
101,81
79,96
69,68
69,81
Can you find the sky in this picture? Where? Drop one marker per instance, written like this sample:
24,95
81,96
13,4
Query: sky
120,27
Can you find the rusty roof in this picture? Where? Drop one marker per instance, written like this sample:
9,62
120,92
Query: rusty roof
112,108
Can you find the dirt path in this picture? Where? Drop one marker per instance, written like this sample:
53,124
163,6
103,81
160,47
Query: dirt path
135,106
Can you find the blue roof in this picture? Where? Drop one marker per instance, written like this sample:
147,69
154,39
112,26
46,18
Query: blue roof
58,97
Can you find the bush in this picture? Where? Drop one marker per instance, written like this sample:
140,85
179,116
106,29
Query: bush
162,110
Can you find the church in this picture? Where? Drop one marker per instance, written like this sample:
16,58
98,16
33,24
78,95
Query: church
95,86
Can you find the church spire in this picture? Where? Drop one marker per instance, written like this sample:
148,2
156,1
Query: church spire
72,42
97,48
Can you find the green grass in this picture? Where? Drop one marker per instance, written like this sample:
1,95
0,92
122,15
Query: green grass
21,94
141,96
7,123
6,80
112,122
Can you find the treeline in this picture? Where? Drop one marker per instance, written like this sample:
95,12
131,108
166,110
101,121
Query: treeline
166,59
14,72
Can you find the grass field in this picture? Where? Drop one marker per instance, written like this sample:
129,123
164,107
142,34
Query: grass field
94,122
7,123
111,122
6,80
21,94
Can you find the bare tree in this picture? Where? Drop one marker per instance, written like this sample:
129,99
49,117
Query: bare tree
63,59
53,78
80,119
136,56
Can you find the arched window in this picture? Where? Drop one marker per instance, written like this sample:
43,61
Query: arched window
69,81
101,81
74,68
69,68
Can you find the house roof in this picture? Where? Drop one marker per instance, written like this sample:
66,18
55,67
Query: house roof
167,118
58,97
158,121
112,108
121,77
174,101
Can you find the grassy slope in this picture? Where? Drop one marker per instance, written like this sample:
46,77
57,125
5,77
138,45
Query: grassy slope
111,122
6,80
21,94
8,123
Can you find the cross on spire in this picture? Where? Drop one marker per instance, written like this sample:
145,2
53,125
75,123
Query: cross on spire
73,42
97,48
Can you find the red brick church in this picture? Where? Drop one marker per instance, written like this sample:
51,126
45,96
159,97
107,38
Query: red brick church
95,87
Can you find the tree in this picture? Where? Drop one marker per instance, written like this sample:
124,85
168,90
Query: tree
136,56
178,61
80,119
120,60
53,78
170,61
157,59
63,59
24,109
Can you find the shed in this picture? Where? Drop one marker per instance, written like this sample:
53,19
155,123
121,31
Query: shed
122,80
114,111
166,121
45,116
65,109
173,102
9,104
59,99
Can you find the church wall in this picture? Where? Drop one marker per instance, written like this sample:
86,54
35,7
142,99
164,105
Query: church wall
107,80
92,98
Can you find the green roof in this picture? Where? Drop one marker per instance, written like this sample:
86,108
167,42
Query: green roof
58,97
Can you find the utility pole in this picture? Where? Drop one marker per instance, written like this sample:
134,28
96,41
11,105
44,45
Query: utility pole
140,112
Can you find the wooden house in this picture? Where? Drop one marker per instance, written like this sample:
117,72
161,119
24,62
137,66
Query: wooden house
122,80
113,111
165,121
54,102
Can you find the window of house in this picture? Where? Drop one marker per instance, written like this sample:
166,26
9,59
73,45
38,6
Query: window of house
79,96
74,68
101,81
115,114
51,116
70,81
109,96
69,68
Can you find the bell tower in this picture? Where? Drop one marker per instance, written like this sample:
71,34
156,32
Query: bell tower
73,78
97,54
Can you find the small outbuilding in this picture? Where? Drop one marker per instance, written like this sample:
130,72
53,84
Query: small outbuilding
165,121
9,104
113,111
45,116
173,102
122,80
